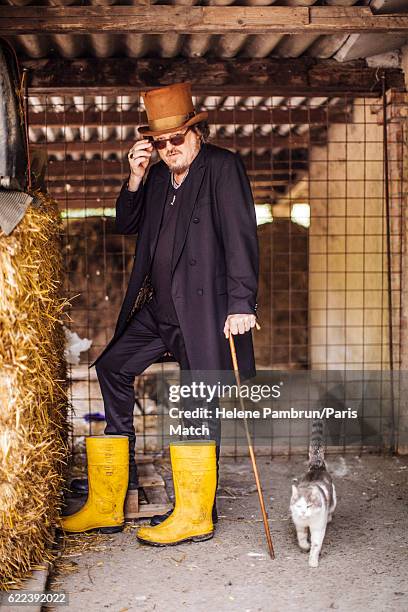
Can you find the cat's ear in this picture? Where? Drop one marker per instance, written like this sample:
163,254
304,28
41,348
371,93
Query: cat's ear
295,491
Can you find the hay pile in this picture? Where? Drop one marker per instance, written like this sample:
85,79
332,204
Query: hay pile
33,395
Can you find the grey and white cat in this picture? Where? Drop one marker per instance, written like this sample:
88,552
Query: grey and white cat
313,499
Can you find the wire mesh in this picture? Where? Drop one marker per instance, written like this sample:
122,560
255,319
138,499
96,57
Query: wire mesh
330,283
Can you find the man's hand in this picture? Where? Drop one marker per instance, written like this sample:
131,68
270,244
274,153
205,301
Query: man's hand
139,157
238,324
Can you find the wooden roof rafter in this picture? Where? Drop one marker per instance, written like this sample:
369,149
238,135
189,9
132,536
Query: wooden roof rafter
221,77
159,19
101,169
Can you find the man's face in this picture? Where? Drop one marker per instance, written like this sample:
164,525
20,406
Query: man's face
178,158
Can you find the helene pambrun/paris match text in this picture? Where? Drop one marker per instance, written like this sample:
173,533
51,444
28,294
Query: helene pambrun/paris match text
255,393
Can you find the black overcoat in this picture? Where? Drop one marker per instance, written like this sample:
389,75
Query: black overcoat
215,255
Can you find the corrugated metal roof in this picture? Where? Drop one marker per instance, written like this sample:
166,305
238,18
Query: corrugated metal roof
81,141
170,45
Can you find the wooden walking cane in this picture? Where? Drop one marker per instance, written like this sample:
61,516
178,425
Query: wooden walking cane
250,447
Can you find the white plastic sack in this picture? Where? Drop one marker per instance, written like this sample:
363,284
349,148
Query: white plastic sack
74,345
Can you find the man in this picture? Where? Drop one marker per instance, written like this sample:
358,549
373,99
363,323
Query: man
196,248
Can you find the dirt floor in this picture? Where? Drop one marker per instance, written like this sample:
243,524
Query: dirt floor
363,567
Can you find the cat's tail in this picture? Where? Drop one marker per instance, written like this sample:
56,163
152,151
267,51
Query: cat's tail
316,446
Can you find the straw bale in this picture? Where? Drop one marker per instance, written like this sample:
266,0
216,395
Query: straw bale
33,392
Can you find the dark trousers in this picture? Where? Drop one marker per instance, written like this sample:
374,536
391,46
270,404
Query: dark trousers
142,343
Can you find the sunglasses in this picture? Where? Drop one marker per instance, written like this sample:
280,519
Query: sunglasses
176,140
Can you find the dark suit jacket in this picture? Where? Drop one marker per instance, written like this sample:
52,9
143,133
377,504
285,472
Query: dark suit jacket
215,256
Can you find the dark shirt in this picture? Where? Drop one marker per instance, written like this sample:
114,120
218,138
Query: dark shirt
161,305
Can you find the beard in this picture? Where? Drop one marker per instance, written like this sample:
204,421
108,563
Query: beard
177,167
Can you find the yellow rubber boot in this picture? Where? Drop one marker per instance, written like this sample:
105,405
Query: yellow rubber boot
108,474
194,477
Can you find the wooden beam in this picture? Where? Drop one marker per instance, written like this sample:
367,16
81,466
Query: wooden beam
96,202
259,166
159,19
111,187
252,77
276,168
240,142
88,197
272,116
81,183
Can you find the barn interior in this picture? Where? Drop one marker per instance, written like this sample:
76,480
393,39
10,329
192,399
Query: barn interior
312,94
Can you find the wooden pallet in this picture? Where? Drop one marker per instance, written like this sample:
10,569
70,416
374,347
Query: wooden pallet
154,488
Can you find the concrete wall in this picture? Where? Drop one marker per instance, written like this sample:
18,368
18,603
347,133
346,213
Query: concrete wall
348,311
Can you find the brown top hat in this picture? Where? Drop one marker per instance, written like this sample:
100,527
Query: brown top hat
168,109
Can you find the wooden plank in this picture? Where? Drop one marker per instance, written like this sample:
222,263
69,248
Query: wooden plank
81,182
160,19
94,201
110,200
206,75
107,180
239,89
255,184
143,459
148,477
99,203
154,489
279,174
261,194
148,510
354,19
83,185
132,503
91,169
266,77
158,495
273,116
